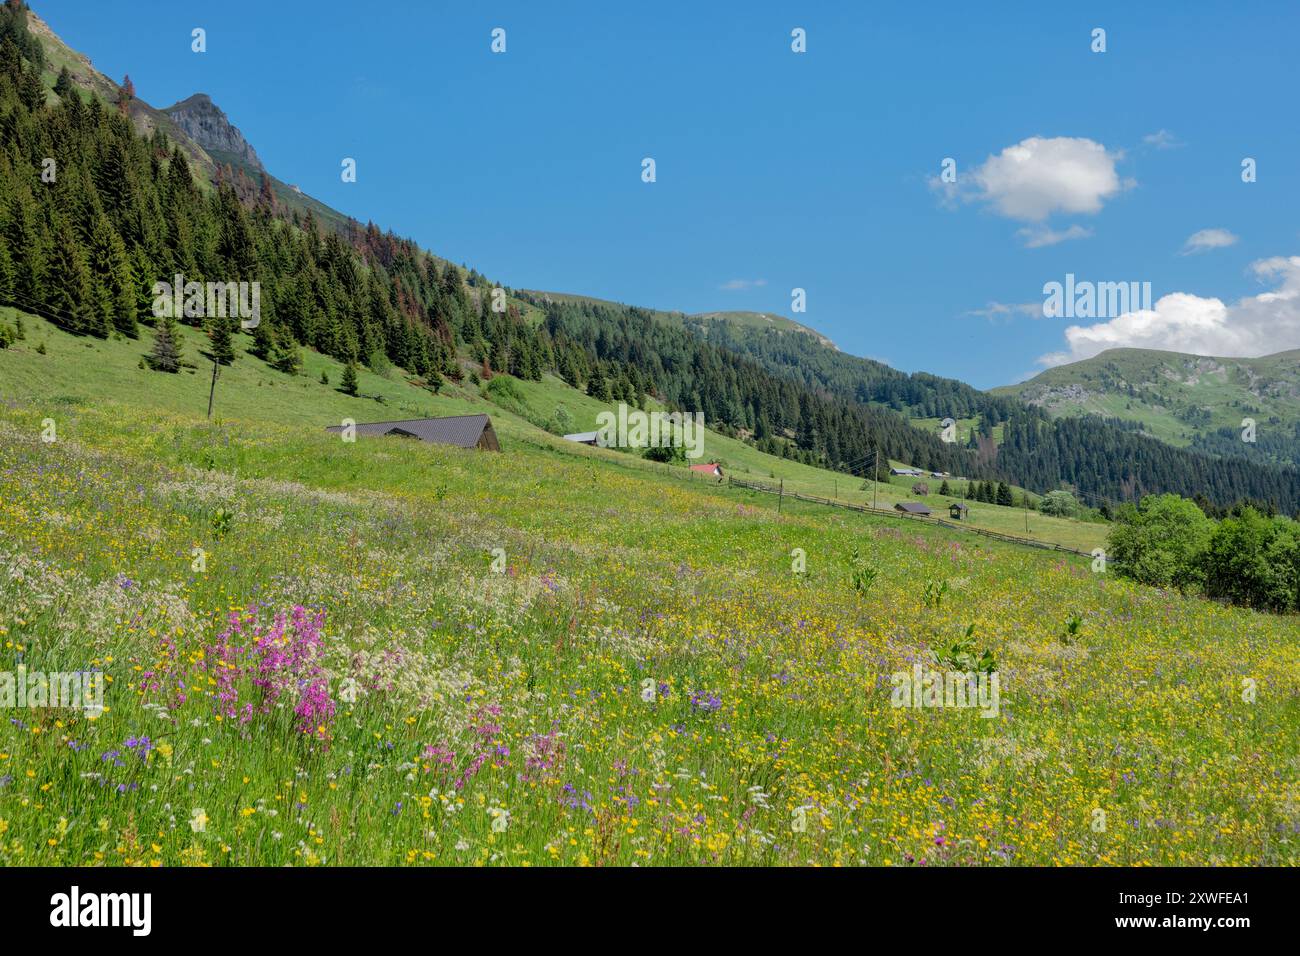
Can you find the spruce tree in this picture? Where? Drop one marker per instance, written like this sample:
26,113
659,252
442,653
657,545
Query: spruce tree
286,357
349,384
223,349
68,293
598,388
6,274
27,247
142,282
165,356
112,278
63,85
30,88
263,341
125,94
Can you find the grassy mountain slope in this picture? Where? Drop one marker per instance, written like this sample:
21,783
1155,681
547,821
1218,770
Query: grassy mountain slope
760,320
1178,398
739,321
90,370
644,681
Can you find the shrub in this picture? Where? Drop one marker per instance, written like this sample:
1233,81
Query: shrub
286,356
1254,561
379,364
1061,504
1160,541
561,422
504,391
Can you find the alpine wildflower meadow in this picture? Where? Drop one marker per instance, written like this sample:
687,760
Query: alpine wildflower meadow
322,653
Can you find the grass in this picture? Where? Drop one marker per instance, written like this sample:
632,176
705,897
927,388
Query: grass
746,462
248,389
961,433
560,656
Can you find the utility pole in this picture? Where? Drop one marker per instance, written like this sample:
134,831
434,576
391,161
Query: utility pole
780,496
875,486
212,392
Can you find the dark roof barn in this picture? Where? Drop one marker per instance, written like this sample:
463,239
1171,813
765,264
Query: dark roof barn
463,431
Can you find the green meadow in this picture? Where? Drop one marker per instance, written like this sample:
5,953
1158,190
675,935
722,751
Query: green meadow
320,652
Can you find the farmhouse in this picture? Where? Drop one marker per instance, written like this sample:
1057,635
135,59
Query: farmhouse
584,438
907,472
463,431
713,470
912,508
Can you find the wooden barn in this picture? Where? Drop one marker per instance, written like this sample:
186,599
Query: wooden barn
913,508
463,431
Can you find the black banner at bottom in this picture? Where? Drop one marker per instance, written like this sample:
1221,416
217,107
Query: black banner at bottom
329,905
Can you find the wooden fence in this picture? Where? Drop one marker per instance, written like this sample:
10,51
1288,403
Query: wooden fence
780,491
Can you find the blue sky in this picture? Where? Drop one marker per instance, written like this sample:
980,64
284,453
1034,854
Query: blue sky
778,170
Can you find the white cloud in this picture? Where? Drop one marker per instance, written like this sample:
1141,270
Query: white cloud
1036,237
1040,176
1162,139
1180,322
1208,239
740,285
996,311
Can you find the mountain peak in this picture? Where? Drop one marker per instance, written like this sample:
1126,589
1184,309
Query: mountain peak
207,124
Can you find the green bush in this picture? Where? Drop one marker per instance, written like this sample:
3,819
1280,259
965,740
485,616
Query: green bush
561,422
1058,503
1254,561
1160,541
379,364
